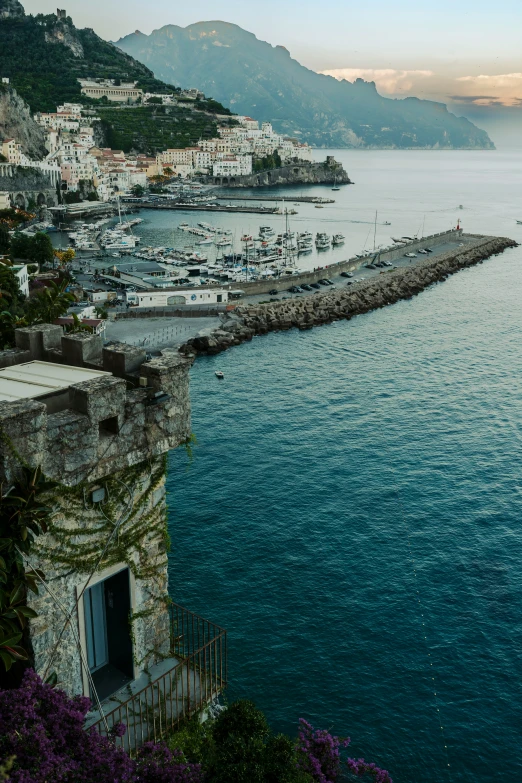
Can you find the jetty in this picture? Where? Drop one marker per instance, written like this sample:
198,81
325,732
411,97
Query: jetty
248,320
286,199
189,207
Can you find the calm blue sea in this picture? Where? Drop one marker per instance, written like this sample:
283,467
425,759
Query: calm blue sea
352,514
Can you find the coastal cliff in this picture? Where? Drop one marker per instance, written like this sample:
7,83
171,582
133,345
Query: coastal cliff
16,122
296,173
309,311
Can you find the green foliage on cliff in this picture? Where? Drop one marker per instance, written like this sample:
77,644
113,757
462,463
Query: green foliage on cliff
151,129
269,162
44,57
45,72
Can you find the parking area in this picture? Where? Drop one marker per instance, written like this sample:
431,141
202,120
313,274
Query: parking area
286,287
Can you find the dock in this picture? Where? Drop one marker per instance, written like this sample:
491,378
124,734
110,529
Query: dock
206,207
294,199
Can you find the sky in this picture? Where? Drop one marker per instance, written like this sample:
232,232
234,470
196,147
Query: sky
466,54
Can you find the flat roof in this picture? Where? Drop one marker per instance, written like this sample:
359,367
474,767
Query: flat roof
37,379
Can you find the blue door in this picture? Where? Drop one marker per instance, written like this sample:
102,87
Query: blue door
96,627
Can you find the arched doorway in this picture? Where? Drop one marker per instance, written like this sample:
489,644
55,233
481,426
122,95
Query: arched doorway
41,200
20,201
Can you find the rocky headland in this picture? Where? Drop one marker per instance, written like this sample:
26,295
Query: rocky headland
246,321
296,173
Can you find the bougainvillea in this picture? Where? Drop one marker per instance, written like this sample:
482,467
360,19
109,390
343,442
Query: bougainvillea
319,752
43,729
320,756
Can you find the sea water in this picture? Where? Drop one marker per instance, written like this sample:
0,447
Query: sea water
352,513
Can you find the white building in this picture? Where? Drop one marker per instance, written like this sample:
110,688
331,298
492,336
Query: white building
195,296
233,166
248,123
23,278
117,93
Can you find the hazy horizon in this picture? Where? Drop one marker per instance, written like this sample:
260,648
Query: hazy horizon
467,57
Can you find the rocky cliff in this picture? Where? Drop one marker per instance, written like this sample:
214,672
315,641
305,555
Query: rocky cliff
64,33
298,173
16,122
11,9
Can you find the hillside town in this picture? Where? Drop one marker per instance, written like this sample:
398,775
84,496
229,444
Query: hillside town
78,165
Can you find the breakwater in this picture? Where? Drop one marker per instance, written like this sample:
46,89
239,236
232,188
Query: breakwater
333,305
213,207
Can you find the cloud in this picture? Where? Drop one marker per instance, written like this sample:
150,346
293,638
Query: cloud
388,80
505,86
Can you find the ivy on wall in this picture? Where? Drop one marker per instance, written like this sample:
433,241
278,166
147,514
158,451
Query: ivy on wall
76,533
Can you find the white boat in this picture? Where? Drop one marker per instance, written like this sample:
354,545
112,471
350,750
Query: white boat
219,375
338,239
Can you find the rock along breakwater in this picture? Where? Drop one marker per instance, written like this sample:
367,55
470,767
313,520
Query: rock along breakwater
389,287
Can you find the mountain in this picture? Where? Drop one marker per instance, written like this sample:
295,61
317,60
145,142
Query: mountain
44,56
262,81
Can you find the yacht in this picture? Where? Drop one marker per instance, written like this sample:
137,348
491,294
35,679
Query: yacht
322,241
338,239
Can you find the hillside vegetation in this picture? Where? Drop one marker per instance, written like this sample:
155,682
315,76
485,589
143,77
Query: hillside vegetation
44,57
154,128
263,81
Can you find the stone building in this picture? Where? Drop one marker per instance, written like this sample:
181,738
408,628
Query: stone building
100,421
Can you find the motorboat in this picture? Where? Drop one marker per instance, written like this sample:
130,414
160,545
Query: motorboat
219,375
338,239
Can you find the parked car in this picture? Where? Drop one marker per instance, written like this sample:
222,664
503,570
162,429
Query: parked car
273,291
306,287
315,285
323,282
328,281
370,266
346,274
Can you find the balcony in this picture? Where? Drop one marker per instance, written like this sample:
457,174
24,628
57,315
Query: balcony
171,691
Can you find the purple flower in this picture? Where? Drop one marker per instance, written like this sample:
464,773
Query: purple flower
118,730
44,730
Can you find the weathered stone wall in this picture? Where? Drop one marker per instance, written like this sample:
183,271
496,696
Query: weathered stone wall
109,433
298,173
333,305
24,183
68,554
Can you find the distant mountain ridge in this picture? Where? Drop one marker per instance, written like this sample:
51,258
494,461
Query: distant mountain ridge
253,77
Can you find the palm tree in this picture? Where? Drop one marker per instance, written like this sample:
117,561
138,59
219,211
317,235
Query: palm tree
49,304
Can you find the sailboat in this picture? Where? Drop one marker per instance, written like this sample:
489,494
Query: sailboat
336,186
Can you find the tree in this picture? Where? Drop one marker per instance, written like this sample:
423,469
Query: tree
9,288
41,249
21,246
49,304
138,191
65,256
4,238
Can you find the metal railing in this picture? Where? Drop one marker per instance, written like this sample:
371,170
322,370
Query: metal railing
198,675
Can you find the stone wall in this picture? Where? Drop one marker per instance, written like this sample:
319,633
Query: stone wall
111,434
25,184
69,552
